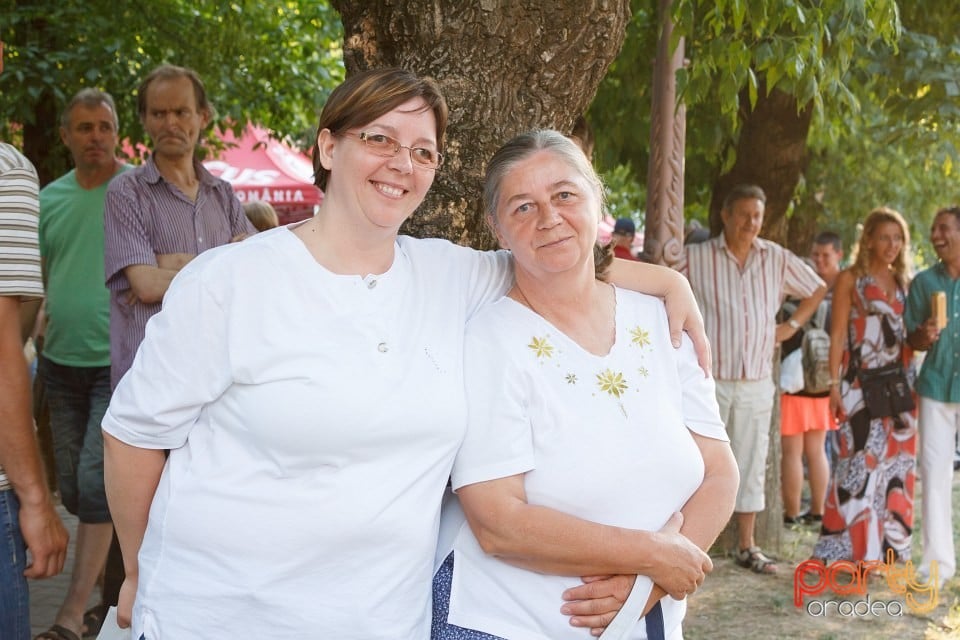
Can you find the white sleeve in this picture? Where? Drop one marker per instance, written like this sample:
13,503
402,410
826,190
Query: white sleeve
182,364
489,278
499,439
701,413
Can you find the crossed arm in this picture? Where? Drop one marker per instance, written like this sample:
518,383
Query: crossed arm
549,541
149,283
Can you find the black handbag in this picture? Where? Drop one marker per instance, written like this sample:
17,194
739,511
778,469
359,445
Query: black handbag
886,391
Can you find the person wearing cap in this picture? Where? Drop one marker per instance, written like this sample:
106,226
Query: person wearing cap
623,232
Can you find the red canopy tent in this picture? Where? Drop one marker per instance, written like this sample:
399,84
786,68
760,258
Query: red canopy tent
262,168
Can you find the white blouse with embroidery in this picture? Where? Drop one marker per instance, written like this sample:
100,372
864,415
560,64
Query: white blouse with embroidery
605,438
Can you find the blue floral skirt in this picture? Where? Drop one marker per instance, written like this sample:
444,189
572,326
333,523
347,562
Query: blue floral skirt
443,630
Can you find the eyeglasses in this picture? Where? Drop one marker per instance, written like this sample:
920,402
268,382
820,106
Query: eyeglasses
384,145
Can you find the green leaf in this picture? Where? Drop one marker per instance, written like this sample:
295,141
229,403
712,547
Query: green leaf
752,86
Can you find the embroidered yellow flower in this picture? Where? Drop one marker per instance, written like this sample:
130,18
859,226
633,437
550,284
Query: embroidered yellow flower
644,372
612,382
541,347
571,378
640,337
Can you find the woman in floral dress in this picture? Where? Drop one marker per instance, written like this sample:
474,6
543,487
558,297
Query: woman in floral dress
869,508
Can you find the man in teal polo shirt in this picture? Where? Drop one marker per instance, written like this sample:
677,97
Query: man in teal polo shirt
938,386
75,363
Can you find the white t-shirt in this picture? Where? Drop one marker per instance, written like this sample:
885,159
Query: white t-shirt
606,439
312,420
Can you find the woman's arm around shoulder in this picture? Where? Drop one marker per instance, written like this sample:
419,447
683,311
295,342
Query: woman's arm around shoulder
683,312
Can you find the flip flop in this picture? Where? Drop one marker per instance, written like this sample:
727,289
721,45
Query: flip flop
93,620
57,632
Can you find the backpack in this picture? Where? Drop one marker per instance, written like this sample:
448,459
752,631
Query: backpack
815,352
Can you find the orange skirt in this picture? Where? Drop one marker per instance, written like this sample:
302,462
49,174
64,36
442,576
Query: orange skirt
799,414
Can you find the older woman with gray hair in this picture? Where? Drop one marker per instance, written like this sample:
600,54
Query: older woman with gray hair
593,447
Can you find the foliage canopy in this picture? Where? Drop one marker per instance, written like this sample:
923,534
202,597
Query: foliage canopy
269,62
880,76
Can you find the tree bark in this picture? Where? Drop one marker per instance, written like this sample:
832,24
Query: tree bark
504,68
41,137
771,153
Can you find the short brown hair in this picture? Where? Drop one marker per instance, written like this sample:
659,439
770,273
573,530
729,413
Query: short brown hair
90,98
954,211
364,97
169,72
744,192
261,214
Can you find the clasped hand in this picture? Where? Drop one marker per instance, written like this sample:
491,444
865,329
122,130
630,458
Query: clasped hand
679,569
680,566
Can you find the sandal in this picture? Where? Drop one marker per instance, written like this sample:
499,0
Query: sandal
755,560
805,518
57,632
93,620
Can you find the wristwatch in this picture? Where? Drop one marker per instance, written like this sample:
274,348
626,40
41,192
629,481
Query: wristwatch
793,323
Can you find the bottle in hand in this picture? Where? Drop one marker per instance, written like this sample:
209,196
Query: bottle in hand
938,308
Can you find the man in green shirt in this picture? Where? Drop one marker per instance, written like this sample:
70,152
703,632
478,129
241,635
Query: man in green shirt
75,363
938,386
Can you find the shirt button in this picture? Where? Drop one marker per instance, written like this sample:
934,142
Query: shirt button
382,347
371,284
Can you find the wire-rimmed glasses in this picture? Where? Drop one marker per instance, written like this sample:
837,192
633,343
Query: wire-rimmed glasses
383,145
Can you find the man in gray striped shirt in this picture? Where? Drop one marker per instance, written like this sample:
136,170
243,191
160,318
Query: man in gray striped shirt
740,280
160,215
27,517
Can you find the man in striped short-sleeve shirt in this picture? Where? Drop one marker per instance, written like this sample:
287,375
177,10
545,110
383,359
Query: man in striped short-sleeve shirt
740,281
27,517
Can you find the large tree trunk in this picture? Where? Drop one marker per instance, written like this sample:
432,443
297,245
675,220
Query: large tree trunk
504,68
771,153
41,137
41,141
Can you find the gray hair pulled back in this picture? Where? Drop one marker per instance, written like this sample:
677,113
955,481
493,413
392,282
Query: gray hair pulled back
521,147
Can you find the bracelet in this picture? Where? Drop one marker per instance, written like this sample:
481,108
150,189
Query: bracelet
833,382
793,323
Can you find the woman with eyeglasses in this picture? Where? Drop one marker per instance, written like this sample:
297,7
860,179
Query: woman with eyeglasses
308,385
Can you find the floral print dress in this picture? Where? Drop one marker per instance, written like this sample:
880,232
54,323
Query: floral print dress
869,507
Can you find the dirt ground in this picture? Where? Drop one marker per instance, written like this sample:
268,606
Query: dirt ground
735,604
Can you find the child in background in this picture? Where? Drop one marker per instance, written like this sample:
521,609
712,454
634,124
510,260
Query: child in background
261,214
